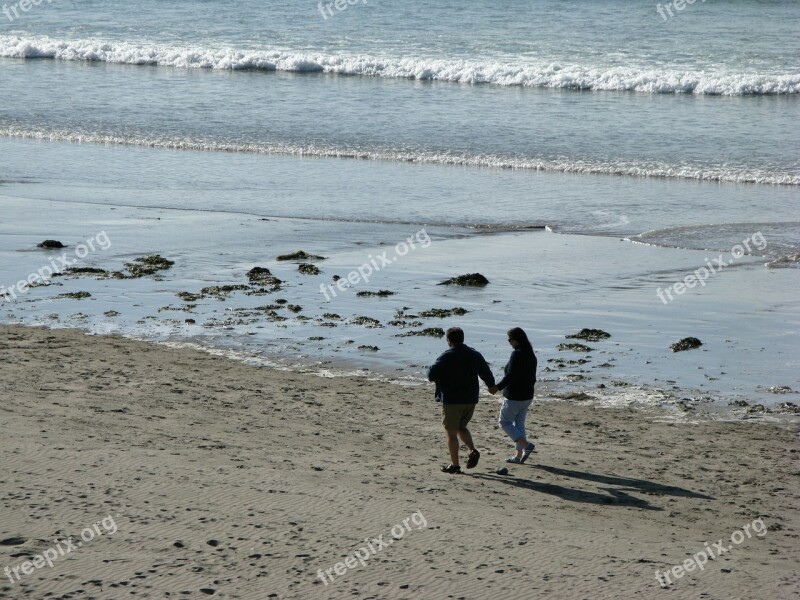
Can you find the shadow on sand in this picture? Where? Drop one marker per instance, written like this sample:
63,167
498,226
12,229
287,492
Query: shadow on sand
626,483
617,496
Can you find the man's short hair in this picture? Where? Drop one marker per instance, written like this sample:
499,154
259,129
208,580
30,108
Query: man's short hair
455,335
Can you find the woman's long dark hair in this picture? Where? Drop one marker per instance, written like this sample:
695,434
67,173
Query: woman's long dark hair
518,335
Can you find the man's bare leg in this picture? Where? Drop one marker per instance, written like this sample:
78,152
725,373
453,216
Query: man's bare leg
452,445
466,437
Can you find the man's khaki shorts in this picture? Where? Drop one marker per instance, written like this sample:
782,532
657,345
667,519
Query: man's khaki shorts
457,416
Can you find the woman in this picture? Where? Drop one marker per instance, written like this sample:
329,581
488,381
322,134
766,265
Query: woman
517,387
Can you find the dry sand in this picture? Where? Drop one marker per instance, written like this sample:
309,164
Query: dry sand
232,481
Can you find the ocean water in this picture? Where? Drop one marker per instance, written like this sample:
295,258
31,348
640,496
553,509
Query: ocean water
583,154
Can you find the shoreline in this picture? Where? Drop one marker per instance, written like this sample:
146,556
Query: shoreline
292,326
247,481
669,406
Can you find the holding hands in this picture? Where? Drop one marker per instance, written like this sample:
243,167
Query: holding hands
493,389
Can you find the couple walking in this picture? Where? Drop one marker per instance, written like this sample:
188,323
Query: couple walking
456,374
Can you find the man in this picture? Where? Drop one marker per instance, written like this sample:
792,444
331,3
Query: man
456,374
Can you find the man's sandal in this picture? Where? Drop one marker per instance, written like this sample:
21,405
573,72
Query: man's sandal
452,469
473,459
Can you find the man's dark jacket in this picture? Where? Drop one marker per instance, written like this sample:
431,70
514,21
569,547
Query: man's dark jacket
456,374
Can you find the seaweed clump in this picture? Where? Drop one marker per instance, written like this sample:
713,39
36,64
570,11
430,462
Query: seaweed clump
577,396
688,343
300,255
262,276
470,279
50,244
574,347
441,313
308,269
85,271
220,292
590,335
188,296
75,295
148,265
367,321
404,323
436,332
379,293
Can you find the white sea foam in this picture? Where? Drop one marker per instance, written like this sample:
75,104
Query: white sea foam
597,167
550,75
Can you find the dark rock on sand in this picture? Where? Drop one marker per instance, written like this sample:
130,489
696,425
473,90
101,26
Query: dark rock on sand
441,313
331,316
300,255
295,308
379,293
369,348
111,313
148,265
50,244
590,335
75,295
13,541
470,279
308,269
436,332
689,343
789,407
574,347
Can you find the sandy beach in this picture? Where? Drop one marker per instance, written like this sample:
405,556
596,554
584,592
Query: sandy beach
182,474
